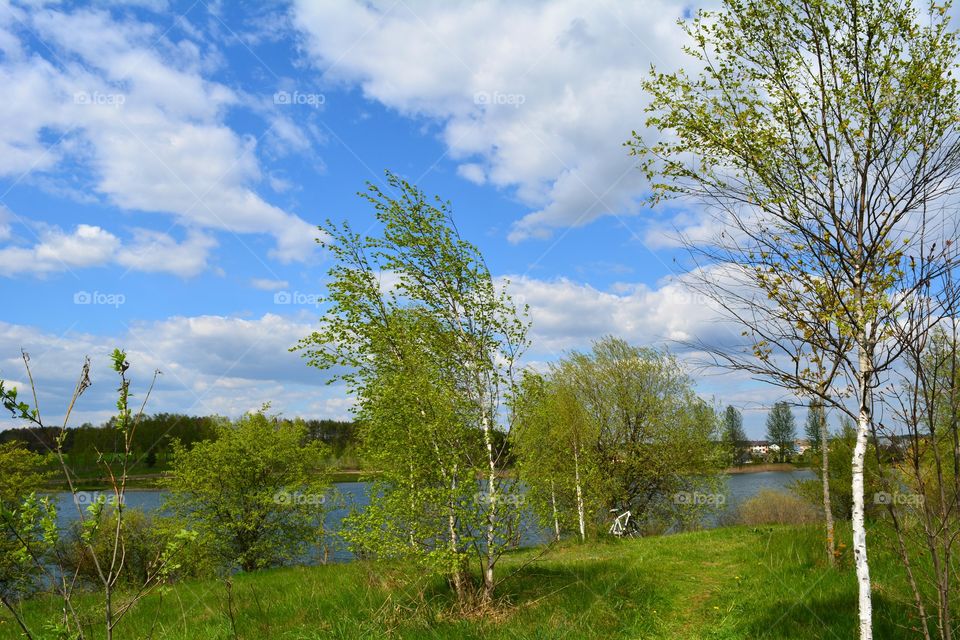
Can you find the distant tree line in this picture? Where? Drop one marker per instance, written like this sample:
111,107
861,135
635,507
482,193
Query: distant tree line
153,445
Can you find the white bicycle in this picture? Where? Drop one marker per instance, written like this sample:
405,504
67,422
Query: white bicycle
624,525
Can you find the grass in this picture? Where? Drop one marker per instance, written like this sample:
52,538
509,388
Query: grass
735,582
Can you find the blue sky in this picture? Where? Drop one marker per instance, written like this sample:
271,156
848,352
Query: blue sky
163,166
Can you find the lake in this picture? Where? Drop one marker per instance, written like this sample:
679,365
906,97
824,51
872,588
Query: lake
741,487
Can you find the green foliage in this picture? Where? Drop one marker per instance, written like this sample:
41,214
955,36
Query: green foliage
23,473
17,408
143,546
794,104
427,343
822,135
551,440
644,439
782,429
253,495
733,435
816,422
800,115
24,520
841,495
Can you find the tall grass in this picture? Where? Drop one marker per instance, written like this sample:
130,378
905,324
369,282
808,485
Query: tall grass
776,507
737,582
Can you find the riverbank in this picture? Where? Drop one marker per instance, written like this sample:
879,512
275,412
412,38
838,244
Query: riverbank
761,468
153,481
735,582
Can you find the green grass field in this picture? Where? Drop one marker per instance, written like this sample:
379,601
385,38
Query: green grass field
726,583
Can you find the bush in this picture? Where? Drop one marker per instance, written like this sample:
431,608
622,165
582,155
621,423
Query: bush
776,507
841,492
148,543
142,547
254,495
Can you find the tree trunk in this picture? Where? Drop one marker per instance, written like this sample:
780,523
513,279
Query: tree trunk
556,519
865,605
580,513
488,582
457,579
108,612
827,508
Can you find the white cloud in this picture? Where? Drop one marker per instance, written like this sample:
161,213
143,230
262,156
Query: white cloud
56,250
153,251
564,315
567,315
226,365
207,353
534,96
130,101
265,284
91,246
209,365
5,230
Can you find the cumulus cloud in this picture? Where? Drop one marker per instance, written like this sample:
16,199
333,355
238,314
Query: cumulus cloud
131,103
567,315
153,251
209,364
57,250
265,284
87,245
228,365
537,97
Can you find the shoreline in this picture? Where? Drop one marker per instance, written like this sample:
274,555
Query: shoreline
152,481
760,468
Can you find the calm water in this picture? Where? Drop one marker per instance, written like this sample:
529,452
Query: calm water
740,487
743,486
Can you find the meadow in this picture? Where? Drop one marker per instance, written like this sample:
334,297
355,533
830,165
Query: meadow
731,582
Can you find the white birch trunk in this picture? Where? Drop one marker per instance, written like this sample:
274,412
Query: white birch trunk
864,601
556,519
580,513
491,513
455,573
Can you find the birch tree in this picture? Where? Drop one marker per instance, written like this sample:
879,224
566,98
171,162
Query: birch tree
551,440
633,435
821,136
428,344
816,428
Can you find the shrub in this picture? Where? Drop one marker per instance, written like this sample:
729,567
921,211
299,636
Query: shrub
777,507
254,495
146,541
142,545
